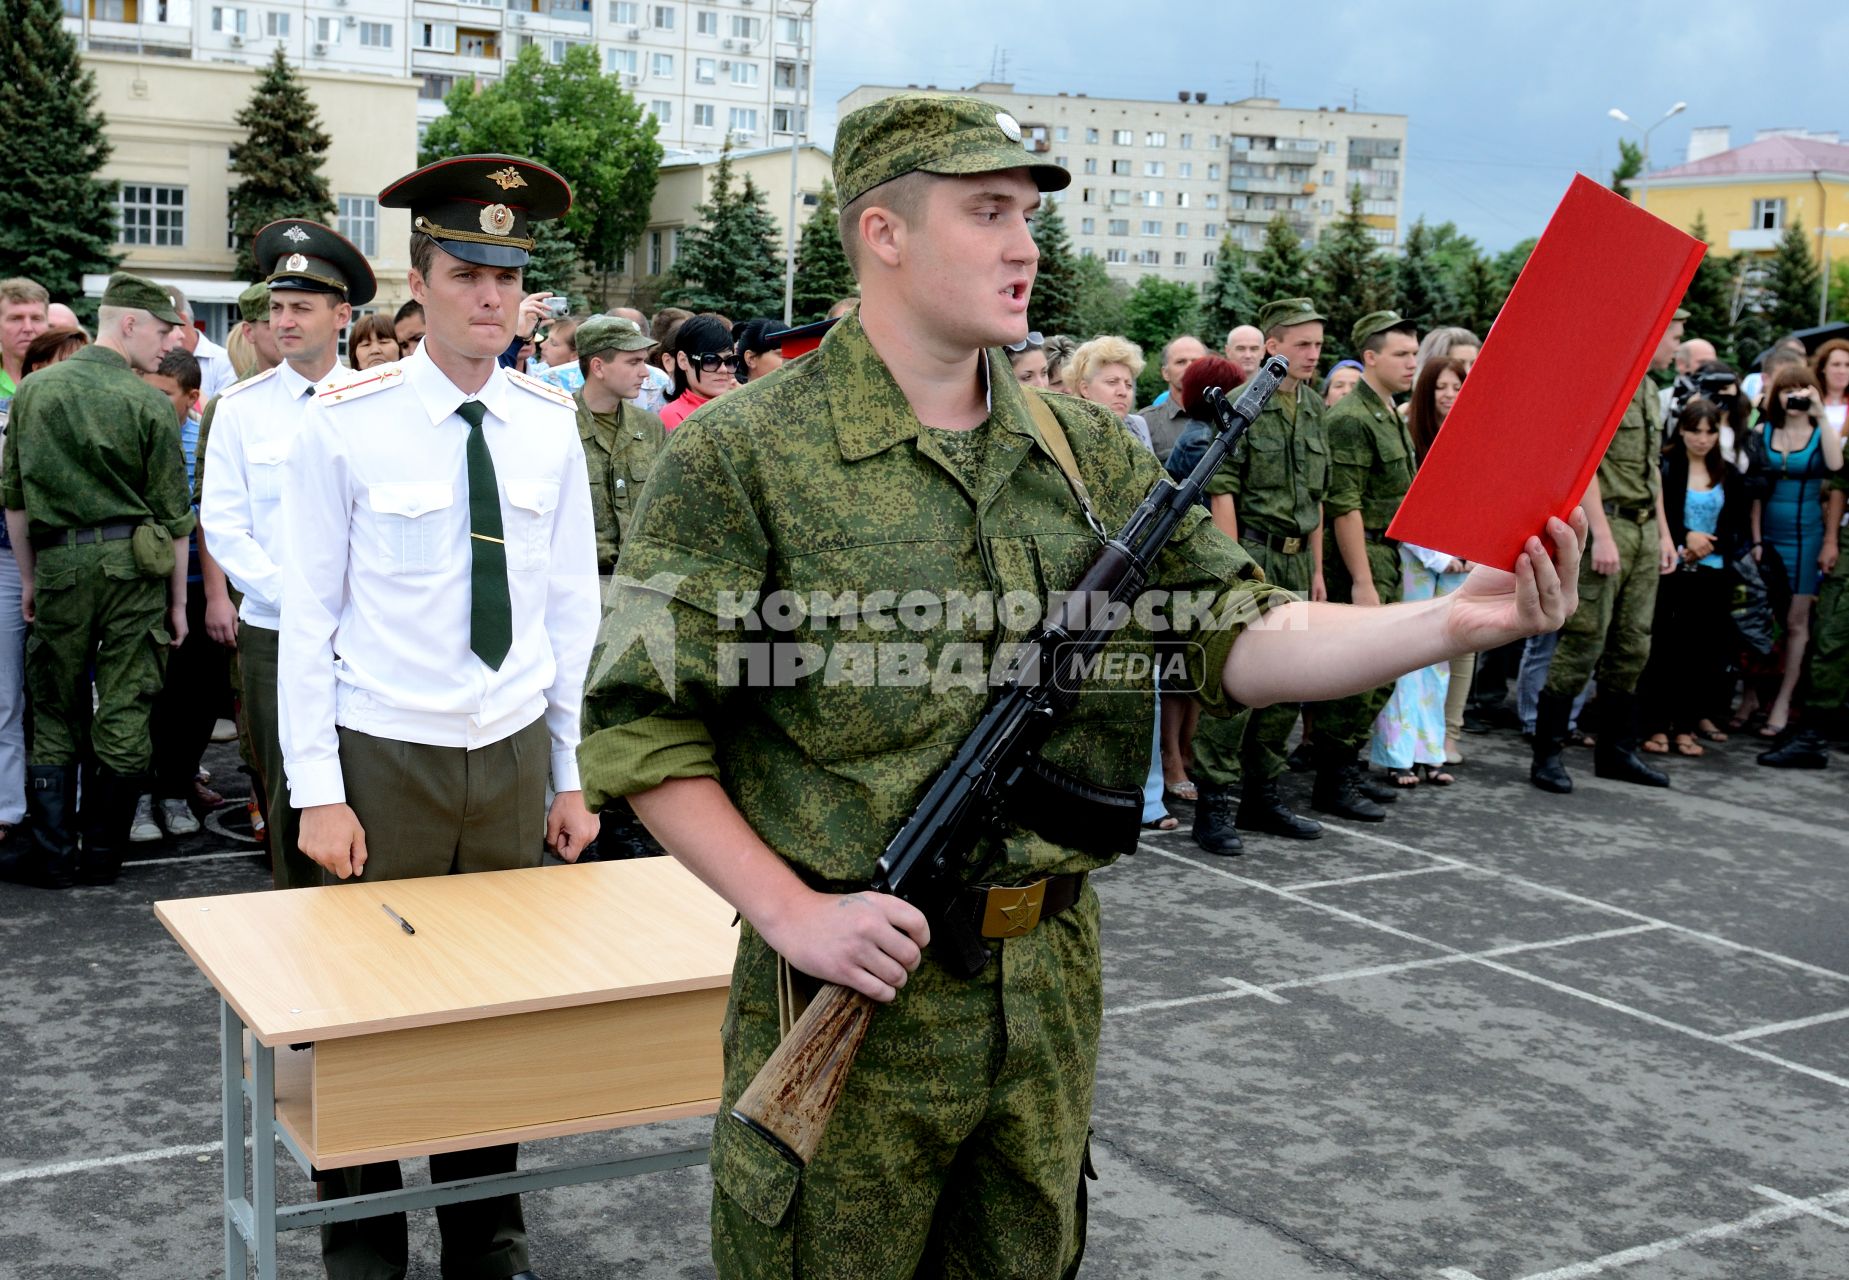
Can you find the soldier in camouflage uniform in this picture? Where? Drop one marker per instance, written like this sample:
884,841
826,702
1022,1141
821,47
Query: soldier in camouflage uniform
1826,686
1269,491
1630,552
775,745
620,440
1370,469
96,503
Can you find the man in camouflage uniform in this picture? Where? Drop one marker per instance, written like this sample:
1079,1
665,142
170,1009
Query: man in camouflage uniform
620,440
1826,686
778,770
1268,494
1631,550
1370,468
96,503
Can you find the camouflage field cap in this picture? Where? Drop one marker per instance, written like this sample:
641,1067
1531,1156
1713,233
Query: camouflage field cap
297,255
1682,313
135,293
254,304
1378,322
609,333
931,133
1287,311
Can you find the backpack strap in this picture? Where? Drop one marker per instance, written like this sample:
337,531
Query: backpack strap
1053,436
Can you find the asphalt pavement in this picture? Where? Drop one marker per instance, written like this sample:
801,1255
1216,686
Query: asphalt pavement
1501,1036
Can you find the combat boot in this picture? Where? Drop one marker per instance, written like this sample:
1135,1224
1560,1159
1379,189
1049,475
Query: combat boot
1335,790
1375,790
1262,809
1615,755
1213,823
47,845
1802,748
1551,716
108,809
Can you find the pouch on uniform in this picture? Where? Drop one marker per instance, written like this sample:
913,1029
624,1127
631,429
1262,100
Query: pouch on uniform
153,548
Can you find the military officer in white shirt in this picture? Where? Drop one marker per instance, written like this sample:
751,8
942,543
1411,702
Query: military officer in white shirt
315,278
440,599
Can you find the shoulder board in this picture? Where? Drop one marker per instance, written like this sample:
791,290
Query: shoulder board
529,383
249,382
390,375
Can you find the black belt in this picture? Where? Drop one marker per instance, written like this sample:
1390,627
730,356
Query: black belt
1380,536
1015,910
78,537
1637,515
1273,542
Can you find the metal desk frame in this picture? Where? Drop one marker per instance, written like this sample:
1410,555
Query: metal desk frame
251,1222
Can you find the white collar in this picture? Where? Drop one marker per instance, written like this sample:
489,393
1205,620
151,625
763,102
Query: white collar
206,349
439,396
296,383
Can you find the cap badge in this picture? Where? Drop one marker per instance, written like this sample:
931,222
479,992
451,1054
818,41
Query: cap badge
507,178
295,234
497,219
1007,124
295,262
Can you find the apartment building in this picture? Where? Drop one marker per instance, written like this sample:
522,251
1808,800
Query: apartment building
1156,186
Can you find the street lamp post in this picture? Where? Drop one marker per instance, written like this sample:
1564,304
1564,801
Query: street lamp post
1643,186
805,14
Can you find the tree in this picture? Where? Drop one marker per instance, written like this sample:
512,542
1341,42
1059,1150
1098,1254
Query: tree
729,260
1227,300
1419,287
553,264
1710,294
1839,290
1351,279
1452,253
577,121
1054,307
1479,297
60,223
823,276
278,165
1281,268
1101,300
1509,263
1630,164
1156,312
1793,284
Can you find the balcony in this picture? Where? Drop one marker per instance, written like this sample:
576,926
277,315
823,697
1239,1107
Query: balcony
1753,241
1268,186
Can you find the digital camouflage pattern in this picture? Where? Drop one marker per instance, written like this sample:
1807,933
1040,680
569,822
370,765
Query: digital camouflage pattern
1629,472
932,133
1251,744
819,478
619,451
1611,630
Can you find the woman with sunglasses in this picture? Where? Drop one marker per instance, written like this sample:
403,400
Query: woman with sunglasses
705,367
1028,360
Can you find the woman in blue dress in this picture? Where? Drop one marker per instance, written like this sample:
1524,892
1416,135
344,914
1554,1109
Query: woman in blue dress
1797,448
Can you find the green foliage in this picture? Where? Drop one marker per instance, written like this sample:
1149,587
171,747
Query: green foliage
1630,164
1794,283
1281,268
1054,306
278,165
1419,286
57,221
553,264
1157,311
1227,300
1479,295
1101,301
1352,278
823,276
1839,290
1509,264
575,120
729,261
1710,294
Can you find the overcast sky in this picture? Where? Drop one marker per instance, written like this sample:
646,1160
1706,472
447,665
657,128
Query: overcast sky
1505,100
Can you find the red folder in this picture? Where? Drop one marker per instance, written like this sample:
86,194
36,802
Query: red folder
1555,375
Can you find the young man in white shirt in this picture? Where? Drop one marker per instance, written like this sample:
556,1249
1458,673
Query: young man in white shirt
440,598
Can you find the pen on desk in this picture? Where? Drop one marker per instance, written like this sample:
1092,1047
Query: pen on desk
402,922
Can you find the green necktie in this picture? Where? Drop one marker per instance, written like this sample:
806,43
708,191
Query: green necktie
491,612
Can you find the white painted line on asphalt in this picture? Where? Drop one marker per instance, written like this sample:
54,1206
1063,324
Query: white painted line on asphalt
1776,1028
36,1172
1378,875
1458,1273
1178,1002
251,852
1252,989
1834,1219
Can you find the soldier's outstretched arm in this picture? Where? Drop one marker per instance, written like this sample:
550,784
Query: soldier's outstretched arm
1309,652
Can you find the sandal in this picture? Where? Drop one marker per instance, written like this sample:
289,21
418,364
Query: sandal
1687,746
1657,744
1768,730
1706,731
1436,775
1183,790
1403,777
1167,822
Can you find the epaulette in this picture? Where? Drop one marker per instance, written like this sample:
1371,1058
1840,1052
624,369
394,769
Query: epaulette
537,387
249,382
388,376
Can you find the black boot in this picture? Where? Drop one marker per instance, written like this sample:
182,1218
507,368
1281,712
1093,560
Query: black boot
1213,822
1261,808
1553,713
1301,759
1802,748
1375,790
108,809
47,845
1335,791
1615,755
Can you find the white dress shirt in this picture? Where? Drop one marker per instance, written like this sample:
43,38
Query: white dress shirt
375,622
215,371
253,427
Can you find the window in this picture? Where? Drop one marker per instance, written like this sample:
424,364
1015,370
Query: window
1384,208
794,30
788,76
1117,227
230,21
705,71
1213,173
1091,164
1186,142
1768,215
436,35
1213,200
1211,230
706,22
654,253
661,17
1210,259
1087,252
1152,199
742,120
1155,138
702,115
375,35
327,30
1060,133
1123,138
475,44
1181,199
1181,230
624,61
1213,142
1329,148
1086,194
358,221
1120,195
1185,169
1328,206
1241,143
1271,202
1328,177
661,66
788,120
433,89
746,28
1121,168
146,214
745,73
1299,203
1382,235
1088,226
674,246
1116,255
662,110
1181,259
625,13
562,47
1149,257
1091,135
276,24
1064,162
1153,168
1152,227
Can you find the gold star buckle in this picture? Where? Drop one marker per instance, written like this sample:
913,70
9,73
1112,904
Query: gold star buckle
1011,912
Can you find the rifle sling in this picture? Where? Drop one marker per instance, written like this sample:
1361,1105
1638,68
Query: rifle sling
1053,436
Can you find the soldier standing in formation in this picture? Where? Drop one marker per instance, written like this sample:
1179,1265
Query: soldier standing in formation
620,440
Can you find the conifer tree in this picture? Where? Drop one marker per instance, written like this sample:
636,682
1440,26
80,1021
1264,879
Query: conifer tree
57,220
823,276
1281,268
1226,299
1054,306
1420,291
729,261
1710,295
1480,296
1351,279
278,165
1794,284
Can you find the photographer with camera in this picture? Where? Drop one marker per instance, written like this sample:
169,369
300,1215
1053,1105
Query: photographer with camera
1691,355
535,310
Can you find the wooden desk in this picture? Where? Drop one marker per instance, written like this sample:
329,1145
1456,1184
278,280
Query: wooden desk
528,1004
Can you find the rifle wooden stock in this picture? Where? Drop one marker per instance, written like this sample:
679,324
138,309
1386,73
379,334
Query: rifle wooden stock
795,1092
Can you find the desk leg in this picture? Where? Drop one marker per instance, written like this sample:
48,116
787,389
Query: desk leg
263,1158
231,1082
